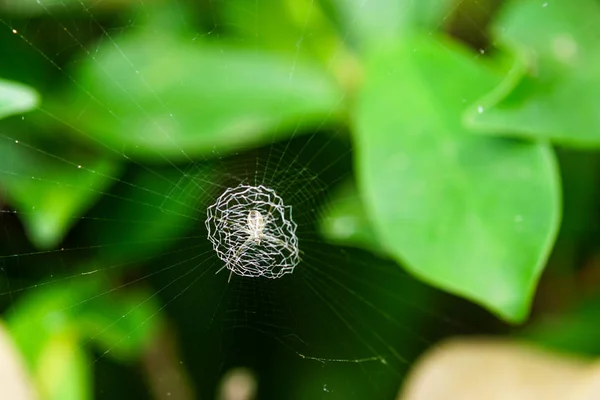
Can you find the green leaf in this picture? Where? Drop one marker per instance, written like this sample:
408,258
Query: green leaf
43,325
344,220
557,44
473,215
85,311
16,98
43,7
283,27
37,317
161,208
63,370
175,98
49,191
374,22
121,326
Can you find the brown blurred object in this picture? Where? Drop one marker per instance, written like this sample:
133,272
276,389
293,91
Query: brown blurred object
165,374
495,369
14,382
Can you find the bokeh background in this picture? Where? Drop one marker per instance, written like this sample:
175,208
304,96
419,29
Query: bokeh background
439,156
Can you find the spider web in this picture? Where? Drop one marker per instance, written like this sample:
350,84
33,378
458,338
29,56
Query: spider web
347,323
253,232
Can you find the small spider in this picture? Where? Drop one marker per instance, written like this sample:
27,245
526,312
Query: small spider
252,231
255,229
256,226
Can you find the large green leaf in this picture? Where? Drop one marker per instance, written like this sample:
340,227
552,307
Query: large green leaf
157,96
473,215
16,98
558,43
50,192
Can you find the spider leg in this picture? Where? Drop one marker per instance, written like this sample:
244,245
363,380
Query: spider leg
275,240
221,269
235,258
242,246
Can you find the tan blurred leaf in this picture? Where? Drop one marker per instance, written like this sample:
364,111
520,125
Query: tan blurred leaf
14,382
492,369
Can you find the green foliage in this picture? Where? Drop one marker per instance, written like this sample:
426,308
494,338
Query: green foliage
286,28
184,99
558,45
68,190
428,184
39,7
51,324
62,371
454,150
432,187
16,98
375,22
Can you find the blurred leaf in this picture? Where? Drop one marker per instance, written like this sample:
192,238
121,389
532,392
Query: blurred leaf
51,192
38,317
63,370
296,27
57,320
344,220
16,98
472,215
556,41
123,325
299,28
16,381
375,22
170,98
43,7
162,206
44,329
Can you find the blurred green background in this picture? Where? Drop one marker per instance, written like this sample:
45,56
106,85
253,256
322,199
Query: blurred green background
440,158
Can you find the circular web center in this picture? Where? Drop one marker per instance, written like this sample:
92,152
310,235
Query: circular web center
253,233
